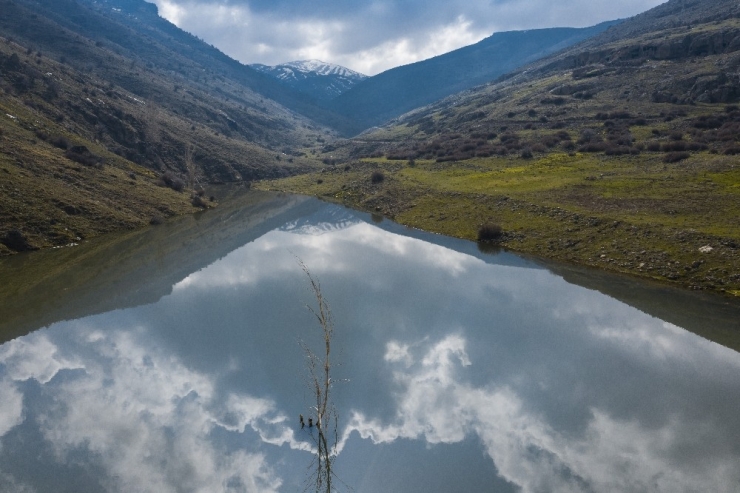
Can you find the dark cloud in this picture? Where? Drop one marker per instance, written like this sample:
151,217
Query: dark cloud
372,36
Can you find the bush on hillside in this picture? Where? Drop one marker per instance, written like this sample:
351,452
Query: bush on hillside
490,232
168,179
82,155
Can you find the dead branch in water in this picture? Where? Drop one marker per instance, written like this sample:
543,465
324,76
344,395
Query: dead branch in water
320,382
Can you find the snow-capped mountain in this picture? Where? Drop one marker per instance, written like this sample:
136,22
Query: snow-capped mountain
323,81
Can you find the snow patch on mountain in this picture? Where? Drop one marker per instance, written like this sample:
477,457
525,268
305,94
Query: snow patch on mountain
320,79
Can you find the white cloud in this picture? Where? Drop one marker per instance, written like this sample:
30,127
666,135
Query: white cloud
435,404
371,37
275,254
398,352
11,407
39,359
124,405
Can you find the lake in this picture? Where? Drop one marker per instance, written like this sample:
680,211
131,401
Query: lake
171,360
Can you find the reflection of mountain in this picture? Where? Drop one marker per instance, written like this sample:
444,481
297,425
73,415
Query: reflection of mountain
327,219
708,316
711,317
142,266
134,269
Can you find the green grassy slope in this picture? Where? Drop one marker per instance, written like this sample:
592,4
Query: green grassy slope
89,129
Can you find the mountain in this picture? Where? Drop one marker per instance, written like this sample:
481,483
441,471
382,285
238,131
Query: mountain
104,101
396,91
666,67
620,152
323,81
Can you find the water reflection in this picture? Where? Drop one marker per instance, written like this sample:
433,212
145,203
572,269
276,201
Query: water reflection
463,372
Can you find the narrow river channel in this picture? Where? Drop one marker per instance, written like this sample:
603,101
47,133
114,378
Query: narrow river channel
170,360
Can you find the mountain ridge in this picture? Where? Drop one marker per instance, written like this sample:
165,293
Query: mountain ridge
396,91
322,81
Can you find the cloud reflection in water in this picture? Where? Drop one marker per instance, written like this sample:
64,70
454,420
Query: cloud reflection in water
139,413
562,388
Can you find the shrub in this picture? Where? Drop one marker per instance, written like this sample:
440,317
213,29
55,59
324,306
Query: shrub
398,156
377,177
588,135
707,122
620,150
557,101
60,142
168,179
198,201
82,155
526,153
156,220
593,147
653,147
675,146
490,232
674,157
16,240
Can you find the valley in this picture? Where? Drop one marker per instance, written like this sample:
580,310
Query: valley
513,266
616,150
619,153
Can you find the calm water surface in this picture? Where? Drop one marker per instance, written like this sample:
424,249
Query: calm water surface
460,371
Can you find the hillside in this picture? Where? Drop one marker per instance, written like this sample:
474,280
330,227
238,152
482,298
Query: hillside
110,114
620,153
320,80
394,92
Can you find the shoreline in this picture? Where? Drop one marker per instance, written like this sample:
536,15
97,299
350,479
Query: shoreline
650,251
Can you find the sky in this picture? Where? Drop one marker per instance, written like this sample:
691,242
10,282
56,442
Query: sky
371,36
